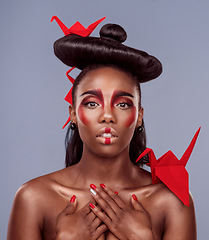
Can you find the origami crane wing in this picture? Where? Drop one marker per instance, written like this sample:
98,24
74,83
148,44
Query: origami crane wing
171,171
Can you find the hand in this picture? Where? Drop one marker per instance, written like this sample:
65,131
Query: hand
83,224
124,221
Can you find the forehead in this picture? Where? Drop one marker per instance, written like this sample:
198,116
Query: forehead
107,79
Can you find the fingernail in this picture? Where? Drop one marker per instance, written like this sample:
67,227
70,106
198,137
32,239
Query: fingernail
72,200
93,186
102,185
91,205
116,192
93,192
134,197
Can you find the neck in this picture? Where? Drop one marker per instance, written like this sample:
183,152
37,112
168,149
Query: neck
118,172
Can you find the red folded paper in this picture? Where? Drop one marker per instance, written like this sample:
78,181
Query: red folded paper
171,171
77,27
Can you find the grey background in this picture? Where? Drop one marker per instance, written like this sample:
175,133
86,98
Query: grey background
33,85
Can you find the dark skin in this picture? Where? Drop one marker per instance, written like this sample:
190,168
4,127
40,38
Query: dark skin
42,207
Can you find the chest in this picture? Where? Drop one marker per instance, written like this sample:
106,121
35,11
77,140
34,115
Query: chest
59,203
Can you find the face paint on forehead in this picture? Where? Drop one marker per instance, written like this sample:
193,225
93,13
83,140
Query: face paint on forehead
117,94
95,93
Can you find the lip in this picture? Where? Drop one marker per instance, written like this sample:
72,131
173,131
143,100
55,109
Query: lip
112,136
107,130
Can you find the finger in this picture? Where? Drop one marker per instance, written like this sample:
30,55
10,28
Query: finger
96,222
86,210
114,196
136,204
101,229
71,207
101,215
109,196
91,216
105,202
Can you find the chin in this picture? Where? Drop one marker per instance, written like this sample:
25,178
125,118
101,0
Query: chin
108,151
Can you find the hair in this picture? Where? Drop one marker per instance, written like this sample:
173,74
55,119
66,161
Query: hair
74,50
73,142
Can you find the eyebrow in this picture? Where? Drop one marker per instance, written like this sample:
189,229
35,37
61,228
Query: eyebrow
119,93
95,92
98,93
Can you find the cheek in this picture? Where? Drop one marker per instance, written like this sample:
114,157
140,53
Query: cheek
131,117
82,115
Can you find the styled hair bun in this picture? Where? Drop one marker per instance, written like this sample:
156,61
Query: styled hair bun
114,32
77,51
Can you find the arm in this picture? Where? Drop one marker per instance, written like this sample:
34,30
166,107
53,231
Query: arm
180,221
25,219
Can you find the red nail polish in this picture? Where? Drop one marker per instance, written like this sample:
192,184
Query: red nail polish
134,197
102,185
93,186
91,205
116,192
72,200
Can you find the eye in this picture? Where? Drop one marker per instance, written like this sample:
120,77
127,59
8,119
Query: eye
124,105
91,105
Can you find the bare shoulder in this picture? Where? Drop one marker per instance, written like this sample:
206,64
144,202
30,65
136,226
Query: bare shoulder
178,219
31,205
39,189
33,194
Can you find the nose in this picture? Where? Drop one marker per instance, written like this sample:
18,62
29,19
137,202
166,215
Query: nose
107,115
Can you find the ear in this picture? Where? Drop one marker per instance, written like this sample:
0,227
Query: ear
72,114
140,117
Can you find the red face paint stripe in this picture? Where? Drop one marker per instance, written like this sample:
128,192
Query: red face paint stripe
107,140
107,130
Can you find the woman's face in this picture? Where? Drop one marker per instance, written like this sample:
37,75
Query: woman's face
107,111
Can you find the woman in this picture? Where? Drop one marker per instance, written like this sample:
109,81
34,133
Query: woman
102,193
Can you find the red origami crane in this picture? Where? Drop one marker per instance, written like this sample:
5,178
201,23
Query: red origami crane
77,27
171,171
80,30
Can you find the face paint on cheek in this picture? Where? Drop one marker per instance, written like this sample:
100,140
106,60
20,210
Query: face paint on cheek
82,115
132,117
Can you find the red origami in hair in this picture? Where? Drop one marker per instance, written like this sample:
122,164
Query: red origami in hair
171,171
80,30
